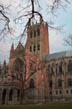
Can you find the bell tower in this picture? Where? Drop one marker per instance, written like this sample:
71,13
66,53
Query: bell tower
38,39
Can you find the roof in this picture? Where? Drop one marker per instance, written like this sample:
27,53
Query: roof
19,47
57,55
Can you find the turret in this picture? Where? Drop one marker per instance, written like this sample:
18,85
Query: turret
12,51
38,39
5,69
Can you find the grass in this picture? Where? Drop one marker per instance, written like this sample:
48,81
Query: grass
41,106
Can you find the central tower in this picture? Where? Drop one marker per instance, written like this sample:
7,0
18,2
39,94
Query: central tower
38,39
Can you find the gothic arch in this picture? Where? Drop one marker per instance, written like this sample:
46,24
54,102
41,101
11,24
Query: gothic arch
18,63
32,83
32,89
70,67
18,94
3,96
10,94
19,68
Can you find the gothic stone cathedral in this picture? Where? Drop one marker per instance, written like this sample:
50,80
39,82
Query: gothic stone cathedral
32,74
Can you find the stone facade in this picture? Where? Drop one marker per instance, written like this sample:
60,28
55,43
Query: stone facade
38,39
12,76
32,74
59,71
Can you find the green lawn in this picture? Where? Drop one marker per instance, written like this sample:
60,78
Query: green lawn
44,106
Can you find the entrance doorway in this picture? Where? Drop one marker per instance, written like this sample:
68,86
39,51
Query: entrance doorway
3,96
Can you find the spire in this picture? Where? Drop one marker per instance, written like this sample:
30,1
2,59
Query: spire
12,47
19,47
4,67
41,19
4,63
12,51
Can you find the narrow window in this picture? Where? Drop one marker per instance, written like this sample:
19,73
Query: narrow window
32,84
18,94
34,33
31,34
70,67
38,32
34,48
60,69
31,48
38,47
10,95
57,69
67,91
50,84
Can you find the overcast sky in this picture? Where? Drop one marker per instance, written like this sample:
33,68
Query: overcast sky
56,39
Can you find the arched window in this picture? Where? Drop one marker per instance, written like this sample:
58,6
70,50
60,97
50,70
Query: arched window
10,94
70,67
19,68
67,91
50,83
34,33
32,84
3,96
30,34
5,69
18,94
19,64
34,48
57,69
38,31
60,68
38,46
30,48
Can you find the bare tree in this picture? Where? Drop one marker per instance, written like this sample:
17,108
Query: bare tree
27,14
53,8
4,20
68,40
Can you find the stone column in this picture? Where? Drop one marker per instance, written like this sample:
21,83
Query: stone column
14,99
7,95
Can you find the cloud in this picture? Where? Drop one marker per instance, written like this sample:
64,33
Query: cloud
49,2
4,51
4,47
56,40
7,2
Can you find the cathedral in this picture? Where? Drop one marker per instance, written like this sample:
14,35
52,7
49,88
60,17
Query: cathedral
34,75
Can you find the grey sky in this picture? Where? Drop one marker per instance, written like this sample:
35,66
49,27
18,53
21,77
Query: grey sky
56,38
